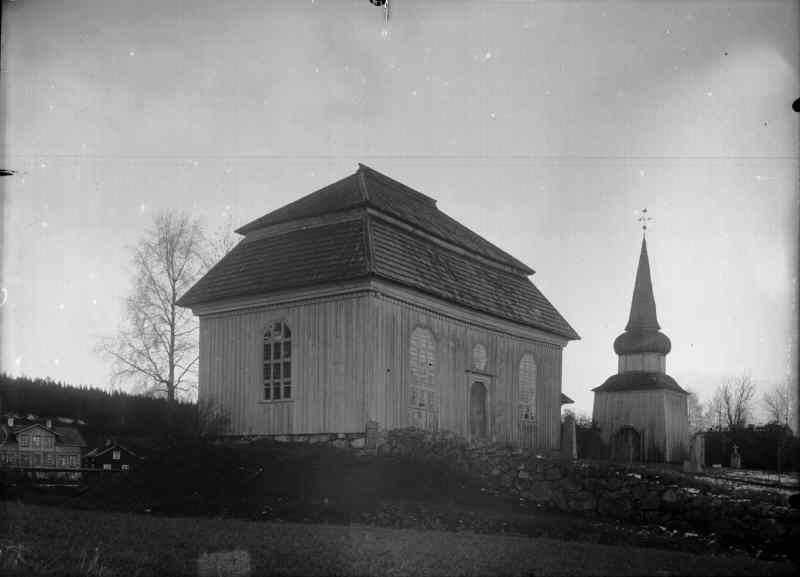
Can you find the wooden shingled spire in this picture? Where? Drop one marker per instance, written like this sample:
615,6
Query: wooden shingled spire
643,305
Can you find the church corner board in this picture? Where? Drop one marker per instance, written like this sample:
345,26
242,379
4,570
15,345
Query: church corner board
363,302
642,411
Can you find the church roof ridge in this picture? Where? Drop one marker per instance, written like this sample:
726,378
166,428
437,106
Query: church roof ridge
369,188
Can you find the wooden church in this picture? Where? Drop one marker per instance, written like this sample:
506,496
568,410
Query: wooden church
363,302
641,411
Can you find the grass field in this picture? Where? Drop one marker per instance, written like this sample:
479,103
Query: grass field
318,485
37,540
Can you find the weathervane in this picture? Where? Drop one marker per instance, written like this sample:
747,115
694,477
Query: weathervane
644,218
385,4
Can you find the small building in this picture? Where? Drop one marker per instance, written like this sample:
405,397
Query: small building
35,443
111,457
642,411
364,303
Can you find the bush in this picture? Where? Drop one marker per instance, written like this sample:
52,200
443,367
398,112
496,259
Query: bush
589,441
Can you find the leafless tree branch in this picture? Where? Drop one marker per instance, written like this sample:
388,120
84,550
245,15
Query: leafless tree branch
780,404
733,401
157,346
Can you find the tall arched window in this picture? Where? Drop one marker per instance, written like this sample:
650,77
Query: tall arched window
527,401
423,408
277,362
527,387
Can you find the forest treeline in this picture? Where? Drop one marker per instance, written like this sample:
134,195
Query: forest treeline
103,413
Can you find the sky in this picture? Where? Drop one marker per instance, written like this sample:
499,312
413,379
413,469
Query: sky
541,125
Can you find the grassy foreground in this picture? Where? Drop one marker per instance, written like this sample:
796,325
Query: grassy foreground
36,540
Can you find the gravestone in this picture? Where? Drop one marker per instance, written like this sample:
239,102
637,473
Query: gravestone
224,564
736,458
697,457
569,447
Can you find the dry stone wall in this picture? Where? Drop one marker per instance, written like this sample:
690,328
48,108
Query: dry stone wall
337,440
603,489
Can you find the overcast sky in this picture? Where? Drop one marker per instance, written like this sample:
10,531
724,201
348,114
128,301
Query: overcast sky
540,125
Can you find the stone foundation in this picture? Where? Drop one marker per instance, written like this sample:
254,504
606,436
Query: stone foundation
602,489
337,440
593,488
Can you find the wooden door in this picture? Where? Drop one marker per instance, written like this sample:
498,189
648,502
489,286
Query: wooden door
477,410
626,444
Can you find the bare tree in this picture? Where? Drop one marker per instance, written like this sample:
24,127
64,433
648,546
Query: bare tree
157,346
715,410
219,243
699,419
734,399
780,404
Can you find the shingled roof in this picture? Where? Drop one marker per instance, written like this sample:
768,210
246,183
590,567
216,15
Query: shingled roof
639,381
389,231
68,436
642,334
369,188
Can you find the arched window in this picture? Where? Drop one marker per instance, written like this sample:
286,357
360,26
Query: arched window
527,401
527,388
422,354
277,362
422,398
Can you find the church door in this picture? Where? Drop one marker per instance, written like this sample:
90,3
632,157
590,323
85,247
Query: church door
626,445
477,410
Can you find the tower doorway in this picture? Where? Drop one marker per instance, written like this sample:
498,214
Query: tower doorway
626,445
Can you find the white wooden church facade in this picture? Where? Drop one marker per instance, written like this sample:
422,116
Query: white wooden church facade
362,302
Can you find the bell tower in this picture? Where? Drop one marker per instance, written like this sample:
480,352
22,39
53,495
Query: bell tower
642,411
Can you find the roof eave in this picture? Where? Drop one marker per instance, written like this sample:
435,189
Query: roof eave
573,336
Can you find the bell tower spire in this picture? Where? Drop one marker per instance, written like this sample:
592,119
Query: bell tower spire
643,305
642,333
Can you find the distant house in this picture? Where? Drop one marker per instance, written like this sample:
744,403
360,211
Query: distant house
35,443
364,303
111,457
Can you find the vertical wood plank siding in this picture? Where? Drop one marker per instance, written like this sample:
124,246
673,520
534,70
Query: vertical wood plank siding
350,364
662,414
455,340
677,421
330,343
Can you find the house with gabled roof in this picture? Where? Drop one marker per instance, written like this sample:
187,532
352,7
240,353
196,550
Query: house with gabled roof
364,303
38,444
112,456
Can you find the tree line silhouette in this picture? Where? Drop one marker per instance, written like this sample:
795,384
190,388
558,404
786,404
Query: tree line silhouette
96,412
